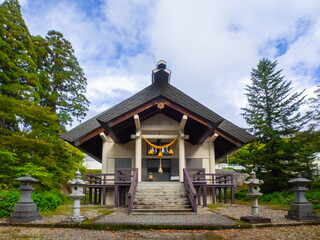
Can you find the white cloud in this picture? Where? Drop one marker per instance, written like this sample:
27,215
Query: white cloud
210,46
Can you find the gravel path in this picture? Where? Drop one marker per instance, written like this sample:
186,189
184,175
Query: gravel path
216,216
276,233
204,217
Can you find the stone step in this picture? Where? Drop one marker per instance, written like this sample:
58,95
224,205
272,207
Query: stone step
144,203
148,198
160,210
161,198
154,206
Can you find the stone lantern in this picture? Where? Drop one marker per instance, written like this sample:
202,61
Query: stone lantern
77,194
301,209
25,209
254,194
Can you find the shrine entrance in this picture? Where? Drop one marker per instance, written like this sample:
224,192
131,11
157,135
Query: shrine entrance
153,168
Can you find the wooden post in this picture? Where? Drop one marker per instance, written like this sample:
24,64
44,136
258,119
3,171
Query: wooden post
182,157
138,155
212,153
138,160
104,153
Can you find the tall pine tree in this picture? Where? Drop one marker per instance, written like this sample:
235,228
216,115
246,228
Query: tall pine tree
273,115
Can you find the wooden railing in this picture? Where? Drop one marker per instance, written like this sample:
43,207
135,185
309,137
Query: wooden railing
219,179
96,186
132,190
219,182
98,179
192,194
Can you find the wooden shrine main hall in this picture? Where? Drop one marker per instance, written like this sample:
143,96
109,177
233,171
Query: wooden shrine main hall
161,135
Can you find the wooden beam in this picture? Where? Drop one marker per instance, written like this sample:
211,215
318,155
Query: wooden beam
186,112
222,134
183,122
160,128
137,122
89,136
131,113
213,137
155,136
103,137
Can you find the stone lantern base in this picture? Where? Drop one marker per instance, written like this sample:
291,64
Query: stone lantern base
255,219
302,212
24,212
74,219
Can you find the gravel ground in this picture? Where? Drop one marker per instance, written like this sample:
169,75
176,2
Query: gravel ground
237,211
276,233
204,217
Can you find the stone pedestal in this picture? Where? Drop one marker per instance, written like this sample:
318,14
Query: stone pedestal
25,210
301,209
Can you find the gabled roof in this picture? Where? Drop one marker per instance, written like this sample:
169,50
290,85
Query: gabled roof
201,124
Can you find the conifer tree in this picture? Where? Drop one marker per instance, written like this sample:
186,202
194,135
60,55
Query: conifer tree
315,105
273,115
29,131
62,78
18,77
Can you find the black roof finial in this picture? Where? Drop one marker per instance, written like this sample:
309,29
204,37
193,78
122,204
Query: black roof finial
161,75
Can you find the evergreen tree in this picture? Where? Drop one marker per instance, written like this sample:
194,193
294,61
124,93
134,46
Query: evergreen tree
29,131
62,78
18,77
273,115
315,105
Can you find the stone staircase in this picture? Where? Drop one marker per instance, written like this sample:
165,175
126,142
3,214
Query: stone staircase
161,198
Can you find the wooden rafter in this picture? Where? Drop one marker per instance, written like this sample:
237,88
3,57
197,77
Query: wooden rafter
225,136
186,112
89,136
131,113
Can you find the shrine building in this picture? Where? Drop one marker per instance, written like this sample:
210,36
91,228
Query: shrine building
160,131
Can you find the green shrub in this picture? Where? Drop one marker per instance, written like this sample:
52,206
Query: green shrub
8,198
242,194
48,200
279,198
45,200
313,197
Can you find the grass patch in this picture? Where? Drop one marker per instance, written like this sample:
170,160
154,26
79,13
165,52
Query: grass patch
67,210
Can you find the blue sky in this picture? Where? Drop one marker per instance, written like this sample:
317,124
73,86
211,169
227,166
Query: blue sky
210,46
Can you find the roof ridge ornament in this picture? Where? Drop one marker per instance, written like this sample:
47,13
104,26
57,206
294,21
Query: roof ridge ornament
161,75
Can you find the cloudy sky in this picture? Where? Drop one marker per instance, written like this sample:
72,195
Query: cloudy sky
210,46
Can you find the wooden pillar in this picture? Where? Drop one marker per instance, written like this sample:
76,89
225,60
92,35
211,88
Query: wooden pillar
138,154
104,153
212,161
182,157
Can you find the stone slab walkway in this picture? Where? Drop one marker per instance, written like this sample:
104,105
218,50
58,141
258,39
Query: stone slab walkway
120,217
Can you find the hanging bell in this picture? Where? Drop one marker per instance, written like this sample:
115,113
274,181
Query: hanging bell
160,168
171,152
150,152
160,154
